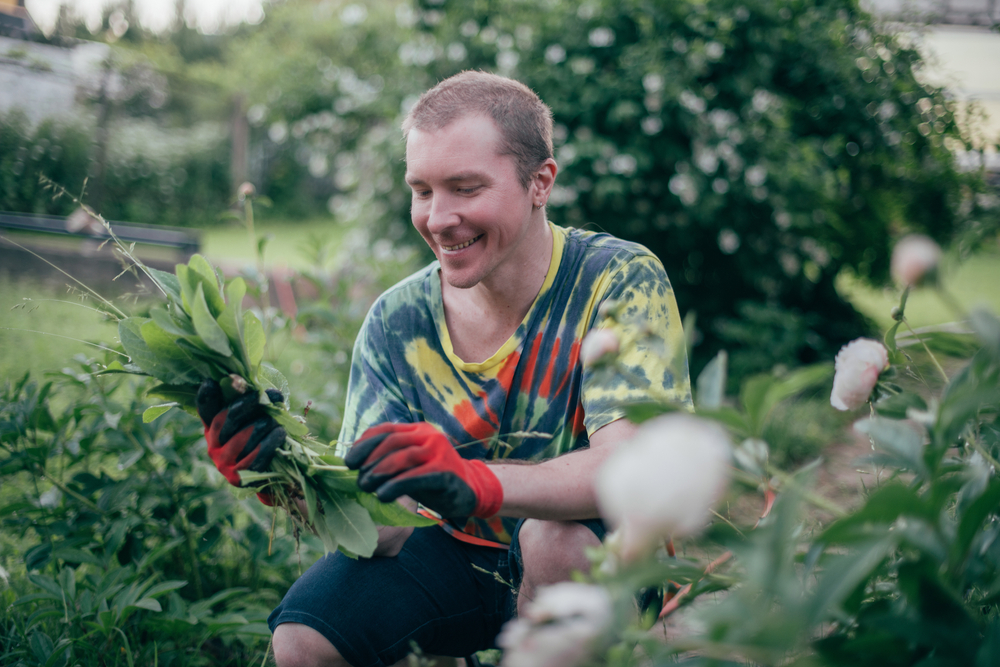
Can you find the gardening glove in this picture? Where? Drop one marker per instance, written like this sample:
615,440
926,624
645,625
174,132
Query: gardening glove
240,436
419,461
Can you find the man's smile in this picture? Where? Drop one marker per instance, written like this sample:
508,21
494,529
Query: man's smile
452,248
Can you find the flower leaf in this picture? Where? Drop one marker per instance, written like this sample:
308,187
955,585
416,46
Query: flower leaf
352,525
208,329
253,334
155,411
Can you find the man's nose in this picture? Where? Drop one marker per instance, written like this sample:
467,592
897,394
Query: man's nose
442,214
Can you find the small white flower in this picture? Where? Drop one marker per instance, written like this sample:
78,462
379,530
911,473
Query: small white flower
858,366
912,258
596,344
561,627
665,481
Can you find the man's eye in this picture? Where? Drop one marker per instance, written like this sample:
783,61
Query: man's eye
468,190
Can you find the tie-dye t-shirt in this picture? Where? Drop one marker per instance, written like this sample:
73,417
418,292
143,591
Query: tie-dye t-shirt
532,399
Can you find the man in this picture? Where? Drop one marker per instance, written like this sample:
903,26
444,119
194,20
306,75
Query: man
467,394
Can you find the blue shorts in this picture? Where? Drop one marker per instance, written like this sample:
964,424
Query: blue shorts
444,595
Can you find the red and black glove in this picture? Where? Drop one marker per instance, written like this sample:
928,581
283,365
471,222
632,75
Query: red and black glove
419,461
240,436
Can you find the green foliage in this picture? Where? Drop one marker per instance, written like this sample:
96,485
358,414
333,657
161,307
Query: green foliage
908,577
185,188
122,547
758,148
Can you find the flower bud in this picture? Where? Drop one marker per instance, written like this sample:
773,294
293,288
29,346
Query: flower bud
858,365
596,344
561,627
912,258
664,482
246,190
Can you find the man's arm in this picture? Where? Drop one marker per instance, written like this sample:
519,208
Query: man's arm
562,488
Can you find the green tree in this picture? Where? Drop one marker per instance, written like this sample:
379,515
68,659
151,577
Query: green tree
759,148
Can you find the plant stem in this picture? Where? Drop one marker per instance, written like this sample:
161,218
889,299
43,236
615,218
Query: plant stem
192,553
928,350
70,492
985,454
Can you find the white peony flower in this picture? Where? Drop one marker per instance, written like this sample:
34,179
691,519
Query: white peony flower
596,344
561,627
912,258
858,366
665,481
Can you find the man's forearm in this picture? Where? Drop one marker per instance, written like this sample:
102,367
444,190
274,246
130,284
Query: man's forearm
560,489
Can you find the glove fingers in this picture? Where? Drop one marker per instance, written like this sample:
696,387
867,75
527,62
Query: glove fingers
274,396
443,492
409,459
209,401
361,449
242,412
269,444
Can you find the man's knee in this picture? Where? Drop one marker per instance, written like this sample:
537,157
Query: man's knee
297,645
552,550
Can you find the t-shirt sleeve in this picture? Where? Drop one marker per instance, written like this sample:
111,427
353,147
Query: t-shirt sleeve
373,391
653,353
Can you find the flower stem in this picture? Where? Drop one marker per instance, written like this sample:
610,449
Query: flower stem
937,364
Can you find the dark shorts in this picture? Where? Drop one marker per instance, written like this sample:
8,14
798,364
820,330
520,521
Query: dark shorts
448,597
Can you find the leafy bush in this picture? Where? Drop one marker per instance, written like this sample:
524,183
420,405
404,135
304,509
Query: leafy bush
119,537
180,178
759,148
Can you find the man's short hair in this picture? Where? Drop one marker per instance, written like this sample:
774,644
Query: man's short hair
524,121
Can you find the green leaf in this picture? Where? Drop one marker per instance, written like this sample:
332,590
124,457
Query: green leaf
168,282
842,574
890,337
881,510
208,329
138,351
177,366
637,413
391,514
41,645
182,395
987,328
166,322
253,332
271,378
201,270
186,285
351,524
231,321
711,383
293,427
898,439
896,405
972,521
165,586
147,603
151,413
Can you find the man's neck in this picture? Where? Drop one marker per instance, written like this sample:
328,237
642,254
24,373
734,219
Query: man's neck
481,319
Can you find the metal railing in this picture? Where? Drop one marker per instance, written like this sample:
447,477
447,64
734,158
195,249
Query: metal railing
184,240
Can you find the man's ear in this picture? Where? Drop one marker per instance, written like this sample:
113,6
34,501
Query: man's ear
542,181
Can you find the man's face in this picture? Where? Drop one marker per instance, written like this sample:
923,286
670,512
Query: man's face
467,201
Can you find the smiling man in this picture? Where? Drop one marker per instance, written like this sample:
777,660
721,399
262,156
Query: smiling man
467,394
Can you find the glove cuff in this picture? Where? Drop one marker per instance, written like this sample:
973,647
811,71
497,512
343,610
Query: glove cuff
488,490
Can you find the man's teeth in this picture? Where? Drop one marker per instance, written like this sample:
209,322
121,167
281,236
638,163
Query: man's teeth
463,245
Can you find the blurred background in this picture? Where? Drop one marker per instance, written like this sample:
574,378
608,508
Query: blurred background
771,152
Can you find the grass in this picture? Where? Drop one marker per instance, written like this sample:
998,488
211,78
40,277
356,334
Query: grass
290,243
44,327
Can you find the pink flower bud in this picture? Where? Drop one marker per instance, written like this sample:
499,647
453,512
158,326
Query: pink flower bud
858,365
246,190
912,258
596,344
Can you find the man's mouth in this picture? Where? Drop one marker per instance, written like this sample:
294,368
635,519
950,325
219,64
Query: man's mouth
452,248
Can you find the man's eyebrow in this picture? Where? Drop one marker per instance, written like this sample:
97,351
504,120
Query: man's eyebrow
464,176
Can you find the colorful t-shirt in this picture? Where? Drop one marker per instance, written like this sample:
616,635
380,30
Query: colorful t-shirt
532,399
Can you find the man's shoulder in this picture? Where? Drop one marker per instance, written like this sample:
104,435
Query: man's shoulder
590,242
